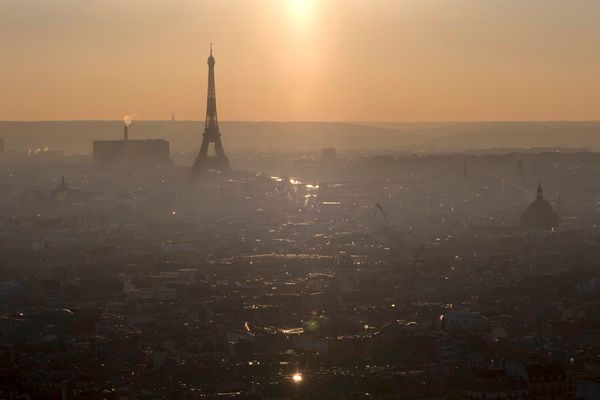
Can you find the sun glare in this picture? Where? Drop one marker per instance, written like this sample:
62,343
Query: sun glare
301,8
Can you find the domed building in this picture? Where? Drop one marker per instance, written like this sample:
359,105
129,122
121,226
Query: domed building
539,214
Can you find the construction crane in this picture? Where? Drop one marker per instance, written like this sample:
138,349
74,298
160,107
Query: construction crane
383,213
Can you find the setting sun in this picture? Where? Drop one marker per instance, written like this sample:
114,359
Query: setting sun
301,7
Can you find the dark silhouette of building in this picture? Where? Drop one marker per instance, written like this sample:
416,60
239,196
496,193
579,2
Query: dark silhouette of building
152,152
62,186
539,214
211,157
62,190
520,168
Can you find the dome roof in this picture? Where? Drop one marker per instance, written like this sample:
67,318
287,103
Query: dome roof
539,214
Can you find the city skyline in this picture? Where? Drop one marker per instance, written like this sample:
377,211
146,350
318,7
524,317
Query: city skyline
302,60
340,199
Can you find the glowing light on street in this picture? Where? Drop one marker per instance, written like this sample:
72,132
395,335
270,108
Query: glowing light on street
297,377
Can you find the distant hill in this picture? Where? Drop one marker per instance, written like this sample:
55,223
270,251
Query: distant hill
482,135
75,137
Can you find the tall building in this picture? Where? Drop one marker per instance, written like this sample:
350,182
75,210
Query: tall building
211,156
520,168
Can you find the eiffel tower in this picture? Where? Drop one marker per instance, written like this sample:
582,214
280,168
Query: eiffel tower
211,156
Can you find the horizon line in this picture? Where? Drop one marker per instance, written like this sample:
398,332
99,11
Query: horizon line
321,121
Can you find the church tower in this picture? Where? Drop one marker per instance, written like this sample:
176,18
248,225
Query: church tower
211,156
540,192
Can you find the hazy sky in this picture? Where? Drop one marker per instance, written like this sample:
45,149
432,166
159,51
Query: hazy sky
366,60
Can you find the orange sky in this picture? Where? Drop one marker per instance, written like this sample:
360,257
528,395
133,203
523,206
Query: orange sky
327,60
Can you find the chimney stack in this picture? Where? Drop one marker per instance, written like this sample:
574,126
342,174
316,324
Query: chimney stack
125,133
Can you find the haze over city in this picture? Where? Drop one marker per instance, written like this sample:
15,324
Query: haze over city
299,199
